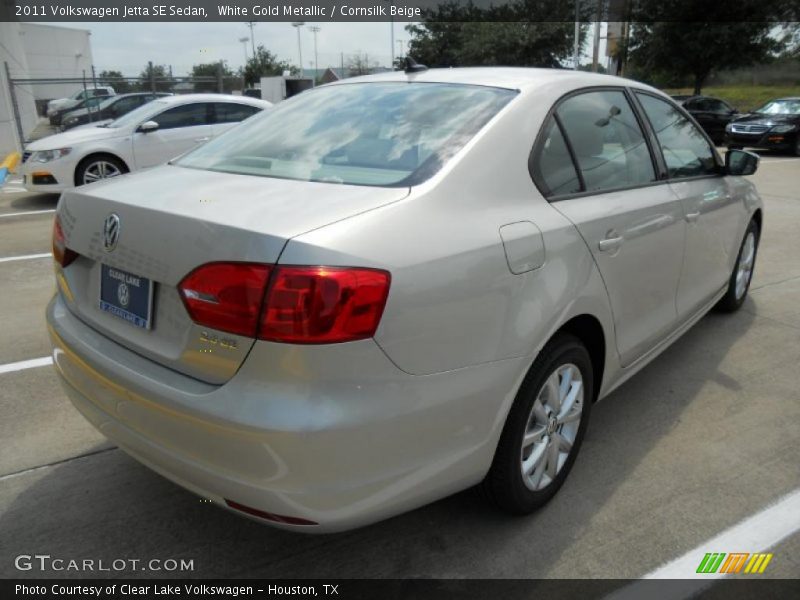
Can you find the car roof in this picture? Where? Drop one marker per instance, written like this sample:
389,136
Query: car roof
188,98
516,78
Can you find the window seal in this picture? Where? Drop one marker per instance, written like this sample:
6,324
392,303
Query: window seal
539,141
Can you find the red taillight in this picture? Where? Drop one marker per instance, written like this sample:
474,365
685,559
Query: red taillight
303,305
323,305
62,255
226,296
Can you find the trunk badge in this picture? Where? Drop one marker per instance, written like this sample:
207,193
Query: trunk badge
110,232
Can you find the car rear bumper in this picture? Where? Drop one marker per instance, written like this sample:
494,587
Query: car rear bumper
336,436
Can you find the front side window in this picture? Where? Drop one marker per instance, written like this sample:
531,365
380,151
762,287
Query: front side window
685,149
232,112
381,134
607,141
186,115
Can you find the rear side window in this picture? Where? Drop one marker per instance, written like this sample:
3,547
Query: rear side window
608,143
553,168
685,149
186,115
231,112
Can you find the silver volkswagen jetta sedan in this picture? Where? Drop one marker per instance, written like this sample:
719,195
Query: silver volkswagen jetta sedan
395,287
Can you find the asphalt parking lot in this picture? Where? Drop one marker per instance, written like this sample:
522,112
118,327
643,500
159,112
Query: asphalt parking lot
699,441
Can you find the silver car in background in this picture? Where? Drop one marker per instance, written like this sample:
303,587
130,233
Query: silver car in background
392,288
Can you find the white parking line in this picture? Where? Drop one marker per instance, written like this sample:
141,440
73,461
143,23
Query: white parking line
29,212
24,257
755,534
26,364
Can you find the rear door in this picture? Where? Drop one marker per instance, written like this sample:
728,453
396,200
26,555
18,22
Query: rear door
228,114
710,209
180,129
631,222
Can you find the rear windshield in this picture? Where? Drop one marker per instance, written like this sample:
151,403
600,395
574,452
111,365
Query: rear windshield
381,134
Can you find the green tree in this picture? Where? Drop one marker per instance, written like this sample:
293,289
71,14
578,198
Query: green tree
163,80
213,70
264,64
672,41
116,80
521,33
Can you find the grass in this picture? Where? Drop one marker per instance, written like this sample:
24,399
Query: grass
744,97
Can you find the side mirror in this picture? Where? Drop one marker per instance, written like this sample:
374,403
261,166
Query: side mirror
148,126
740,162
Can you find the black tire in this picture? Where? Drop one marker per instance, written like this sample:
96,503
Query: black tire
796,151
504,485
732,301
91,160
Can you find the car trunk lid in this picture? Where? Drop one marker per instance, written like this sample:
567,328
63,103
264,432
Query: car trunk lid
172,220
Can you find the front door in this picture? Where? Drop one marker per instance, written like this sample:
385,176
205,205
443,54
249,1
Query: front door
180,129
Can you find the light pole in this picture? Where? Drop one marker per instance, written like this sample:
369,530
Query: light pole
391,31
576,44
244,41
400,48
297,25
252,24
315,30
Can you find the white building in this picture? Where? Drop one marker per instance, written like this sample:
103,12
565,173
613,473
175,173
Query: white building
34,51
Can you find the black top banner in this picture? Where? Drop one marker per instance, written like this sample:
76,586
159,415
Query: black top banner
400,10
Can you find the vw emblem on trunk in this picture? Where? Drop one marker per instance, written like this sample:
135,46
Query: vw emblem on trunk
110,232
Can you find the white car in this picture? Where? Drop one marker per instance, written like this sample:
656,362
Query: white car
148,136
61,104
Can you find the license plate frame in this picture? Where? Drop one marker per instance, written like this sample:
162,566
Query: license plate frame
126,296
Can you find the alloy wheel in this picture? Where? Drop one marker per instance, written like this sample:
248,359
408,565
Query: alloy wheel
552,427
100,169
745,268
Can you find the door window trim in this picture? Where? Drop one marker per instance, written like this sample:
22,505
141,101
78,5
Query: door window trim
644,125
717,160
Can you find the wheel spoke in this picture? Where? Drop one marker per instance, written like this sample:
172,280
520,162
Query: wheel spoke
553,390
552,459
564,445
566,384
569,402
535,460
535,436
538,472
538,411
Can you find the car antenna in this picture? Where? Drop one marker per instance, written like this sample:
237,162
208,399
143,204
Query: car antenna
413,66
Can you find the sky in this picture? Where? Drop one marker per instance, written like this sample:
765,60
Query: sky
128,46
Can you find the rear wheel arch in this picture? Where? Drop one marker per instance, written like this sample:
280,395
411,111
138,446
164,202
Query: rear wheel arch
589,331
757,217
94,156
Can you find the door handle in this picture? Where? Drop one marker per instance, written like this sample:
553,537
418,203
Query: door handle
610,244
204,139
692,217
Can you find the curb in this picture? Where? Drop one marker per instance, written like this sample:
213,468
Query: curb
8,165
